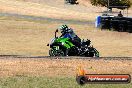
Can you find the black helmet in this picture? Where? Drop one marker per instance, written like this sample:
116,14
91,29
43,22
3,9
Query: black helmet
63,28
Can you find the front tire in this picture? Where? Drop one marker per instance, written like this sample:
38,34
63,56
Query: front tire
59,52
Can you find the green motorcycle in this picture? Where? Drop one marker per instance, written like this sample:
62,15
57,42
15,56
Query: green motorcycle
60,46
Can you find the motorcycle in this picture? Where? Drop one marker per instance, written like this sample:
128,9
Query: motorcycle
61,46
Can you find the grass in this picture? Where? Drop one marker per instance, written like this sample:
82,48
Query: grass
42,9
20,36
57,73
51,82
29,37
61,67
26,37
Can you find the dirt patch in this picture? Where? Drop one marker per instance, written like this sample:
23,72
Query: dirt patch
53,9
44,10
61,67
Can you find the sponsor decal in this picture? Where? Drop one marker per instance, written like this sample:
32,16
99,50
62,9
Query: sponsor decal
83,78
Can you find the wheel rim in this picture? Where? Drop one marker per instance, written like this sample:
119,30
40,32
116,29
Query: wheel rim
56,52
60,53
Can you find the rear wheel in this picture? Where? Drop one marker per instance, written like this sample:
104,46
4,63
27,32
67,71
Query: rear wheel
96,53
92,52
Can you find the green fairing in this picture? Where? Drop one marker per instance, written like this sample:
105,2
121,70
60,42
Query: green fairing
65,42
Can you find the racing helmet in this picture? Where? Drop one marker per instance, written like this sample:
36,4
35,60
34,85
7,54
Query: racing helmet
63,28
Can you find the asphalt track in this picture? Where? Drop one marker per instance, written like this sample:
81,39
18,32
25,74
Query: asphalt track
69,57
37,18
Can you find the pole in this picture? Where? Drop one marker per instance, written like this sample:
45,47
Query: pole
127,12
108,4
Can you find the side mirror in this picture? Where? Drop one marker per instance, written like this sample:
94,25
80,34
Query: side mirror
56,30
47,44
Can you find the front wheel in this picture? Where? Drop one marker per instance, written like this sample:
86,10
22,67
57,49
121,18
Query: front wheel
53,52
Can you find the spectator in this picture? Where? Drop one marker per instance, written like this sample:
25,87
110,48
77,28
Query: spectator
120,14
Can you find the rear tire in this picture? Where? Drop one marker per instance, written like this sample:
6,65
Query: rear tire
92,52
96,53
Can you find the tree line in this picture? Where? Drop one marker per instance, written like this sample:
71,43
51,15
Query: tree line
120,4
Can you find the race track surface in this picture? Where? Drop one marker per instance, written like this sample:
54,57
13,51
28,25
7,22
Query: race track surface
69,57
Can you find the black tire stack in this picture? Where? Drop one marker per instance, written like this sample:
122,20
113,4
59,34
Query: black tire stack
120,24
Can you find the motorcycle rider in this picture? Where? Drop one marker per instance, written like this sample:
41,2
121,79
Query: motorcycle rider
69,33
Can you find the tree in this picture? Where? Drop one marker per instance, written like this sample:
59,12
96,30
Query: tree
120,4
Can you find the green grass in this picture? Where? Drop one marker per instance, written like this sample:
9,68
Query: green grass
52,82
